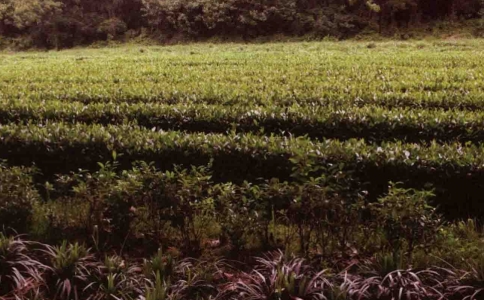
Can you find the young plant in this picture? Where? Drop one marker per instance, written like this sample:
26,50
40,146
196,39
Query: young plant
276,278
383,264
17,198
402,285
109,197
20,273
161,264
157,289
72,267
115,281
179,199
407,219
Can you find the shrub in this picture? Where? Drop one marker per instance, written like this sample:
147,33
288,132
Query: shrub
103,201
178,198
406,218
17,198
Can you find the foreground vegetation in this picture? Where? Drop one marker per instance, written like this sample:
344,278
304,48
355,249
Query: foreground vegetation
70,271
363,159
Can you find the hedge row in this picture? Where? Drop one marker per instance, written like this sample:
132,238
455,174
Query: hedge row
421,76
269,96
455,171
372,123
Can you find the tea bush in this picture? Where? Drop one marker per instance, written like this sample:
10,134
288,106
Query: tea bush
18,196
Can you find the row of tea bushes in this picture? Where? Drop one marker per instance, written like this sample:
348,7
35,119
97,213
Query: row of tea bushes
449,76
454,170
371,123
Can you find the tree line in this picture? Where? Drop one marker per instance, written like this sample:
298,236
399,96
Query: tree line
67,23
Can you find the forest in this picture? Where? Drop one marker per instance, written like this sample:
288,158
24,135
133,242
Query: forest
69,23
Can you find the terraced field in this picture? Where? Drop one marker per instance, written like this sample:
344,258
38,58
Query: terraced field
408,112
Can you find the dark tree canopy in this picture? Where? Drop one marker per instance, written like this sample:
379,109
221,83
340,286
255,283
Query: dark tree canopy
65,23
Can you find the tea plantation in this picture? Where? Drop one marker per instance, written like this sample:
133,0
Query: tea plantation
281,171
407,112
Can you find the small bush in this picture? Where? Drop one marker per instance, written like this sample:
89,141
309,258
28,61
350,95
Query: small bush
407,219
17,198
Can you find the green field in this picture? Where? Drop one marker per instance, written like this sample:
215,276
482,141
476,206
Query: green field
163,171
390,111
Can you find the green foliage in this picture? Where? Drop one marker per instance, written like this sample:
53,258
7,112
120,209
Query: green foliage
385,263
371,122
158,290
116,280
251,150
71,269
278,278
67,23
244,18
250,156
405,216
160,265
104,201
18,196
113,28
25,14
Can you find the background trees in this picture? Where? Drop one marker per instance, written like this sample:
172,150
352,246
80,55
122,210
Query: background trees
65,23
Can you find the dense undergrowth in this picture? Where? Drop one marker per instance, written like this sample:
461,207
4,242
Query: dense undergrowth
363,159
70,271
395,247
